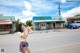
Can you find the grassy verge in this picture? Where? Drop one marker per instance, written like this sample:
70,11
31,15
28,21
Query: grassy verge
4,33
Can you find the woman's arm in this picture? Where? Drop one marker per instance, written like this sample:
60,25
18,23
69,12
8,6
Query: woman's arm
25,34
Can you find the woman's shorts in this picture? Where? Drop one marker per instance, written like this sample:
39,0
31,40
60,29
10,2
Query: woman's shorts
23,45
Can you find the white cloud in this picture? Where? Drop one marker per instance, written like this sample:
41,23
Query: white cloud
23,20
16,3
27,5
71,13
63,1
27,12
43,5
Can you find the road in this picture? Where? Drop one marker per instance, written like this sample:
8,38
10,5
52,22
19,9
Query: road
44,40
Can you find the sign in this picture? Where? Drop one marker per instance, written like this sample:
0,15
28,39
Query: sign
42,18
72,0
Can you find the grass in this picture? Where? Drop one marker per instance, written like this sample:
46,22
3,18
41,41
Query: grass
4,33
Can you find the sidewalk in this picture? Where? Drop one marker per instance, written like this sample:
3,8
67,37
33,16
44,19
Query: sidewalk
46,31
65,49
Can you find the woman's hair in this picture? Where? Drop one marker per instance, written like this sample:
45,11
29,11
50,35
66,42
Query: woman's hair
19,28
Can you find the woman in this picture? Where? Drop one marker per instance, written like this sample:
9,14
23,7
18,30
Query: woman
23,32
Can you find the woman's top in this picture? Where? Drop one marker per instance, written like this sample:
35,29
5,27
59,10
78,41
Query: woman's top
21,34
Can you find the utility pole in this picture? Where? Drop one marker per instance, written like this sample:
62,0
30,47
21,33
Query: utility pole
59,7
59,11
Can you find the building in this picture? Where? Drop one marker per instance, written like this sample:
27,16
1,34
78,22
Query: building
7,23
47,22
73,19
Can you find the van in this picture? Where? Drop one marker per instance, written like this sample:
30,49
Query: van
77,23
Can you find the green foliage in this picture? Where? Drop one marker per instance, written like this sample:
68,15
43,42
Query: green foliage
17,22
78,15
28,23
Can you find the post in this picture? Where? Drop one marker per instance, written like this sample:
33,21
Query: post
59,9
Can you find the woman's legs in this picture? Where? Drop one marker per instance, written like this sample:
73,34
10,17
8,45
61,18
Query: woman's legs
24,50
28,50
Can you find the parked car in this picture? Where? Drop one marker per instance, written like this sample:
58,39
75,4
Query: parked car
71,26
77,23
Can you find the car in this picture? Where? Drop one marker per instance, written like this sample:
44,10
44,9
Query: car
77,23
70,26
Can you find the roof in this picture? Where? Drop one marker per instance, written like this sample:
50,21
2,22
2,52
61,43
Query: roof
73,18
5,22
12,18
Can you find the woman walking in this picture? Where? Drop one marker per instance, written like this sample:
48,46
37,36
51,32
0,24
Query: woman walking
23,32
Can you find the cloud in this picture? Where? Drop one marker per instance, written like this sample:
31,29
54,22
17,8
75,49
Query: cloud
16,3
27,5
43,5
27,12
23,20
63,1
11,8
71,13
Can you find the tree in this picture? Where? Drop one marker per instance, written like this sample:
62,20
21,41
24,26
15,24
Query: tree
29,23
78,15
17,21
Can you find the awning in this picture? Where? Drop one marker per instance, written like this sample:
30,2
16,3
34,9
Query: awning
47,21
2,22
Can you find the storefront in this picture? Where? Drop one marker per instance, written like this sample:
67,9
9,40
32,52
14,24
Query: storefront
7,23
47,22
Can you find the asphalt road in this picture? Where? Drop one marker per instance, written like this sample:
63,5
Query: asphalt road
42,40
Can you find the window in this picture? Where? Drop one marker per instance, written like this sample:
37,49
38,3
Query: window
77,22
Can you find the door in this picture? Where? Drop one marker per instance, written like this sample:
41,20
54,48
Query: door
43,25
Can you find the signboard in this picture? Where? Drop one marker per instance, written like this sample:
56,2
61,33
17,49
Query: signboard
72,0
42,18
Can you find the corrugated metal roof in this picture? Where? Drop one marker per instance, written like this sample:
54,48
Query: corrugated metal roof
5,22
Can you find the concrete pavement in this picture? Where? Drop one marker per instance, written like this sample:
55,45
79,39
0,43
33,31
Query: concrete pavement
75,48
44,41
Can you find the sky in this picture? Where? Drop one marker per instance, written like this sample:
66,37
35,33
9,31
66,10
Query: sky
26,9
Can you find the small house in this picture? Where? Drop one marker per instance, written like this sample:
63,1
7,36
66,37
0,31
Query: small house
7,23
47,22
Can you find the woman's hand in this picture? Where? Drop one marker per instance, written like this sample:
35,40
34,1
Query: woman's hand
29,29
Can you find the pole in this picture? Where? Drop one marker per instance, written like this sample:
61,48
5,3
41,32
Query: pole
59,10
